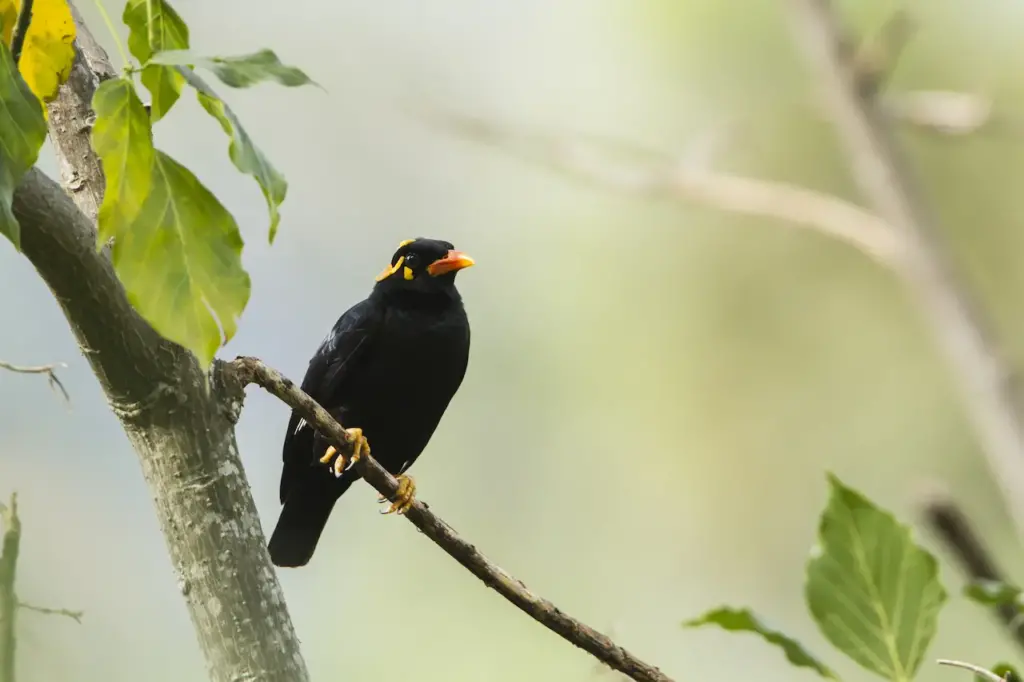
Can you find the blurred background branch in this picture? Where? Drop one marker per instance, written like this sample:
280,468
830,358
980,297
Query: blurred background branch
890,187
8,599
876,55
9,602
946,112
956,532
631,169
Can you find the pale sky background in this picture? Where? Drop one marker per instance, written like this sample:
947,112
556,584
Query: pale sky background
655,391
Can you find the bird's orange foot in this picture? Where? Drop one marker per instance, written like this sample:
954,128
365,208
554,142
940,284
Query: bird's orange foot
404,496
341,463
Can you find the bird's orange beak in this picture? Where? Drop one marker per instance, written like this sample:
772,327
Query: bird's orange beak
453,260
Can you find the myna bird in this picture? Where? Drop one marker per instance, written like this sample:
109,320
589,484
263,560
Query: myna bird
387,371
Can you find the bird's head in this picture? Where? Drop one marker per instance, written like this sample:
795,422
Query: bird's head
426,266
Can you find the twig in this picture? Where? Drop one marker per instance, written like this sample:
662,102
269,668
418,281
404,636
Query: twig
8,598
885,180
948,112
21,30
976,669
68,613
682,180
953,527
876,57
49,370
248,370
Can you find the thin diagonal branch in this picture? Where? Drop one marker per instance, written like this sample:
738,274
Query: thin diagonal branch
248,370
49,370
888,184
67,613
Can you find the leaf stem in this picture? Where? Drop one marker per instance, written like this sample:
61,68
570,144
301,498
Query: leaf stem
976,669
113,32
21,30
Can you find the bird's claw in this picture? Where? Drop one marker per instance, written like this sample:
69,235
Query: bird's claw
403,498
360,447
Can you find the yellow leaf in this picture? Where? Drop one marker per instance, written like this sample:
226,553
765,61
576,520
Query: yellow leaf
48,53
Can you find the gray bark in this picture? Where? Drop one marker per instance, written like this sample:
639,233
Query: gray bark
886,179
71,119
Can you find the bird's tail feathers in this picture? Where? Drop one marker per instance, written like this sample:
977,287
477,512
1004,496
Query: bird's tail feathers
302,520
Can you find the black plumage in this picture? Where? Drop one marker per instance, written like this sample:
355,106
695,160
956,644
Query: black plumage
389,368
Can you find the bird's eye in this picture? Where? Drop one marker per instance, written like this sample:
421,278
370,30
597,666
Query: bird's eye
410,259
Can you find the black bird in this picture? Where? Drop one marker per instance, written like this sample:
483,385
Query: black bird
388,370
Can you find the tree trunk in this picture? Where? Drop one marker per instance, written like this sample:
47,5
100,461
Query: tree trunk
181,427
183,433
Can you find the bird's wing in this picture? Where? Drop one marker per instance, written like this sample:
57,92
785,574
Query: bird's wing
338,353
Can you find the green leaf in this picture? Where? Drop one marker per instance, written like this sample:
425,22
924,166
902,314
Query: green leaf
992,593
243,152
239,72
155,26
874,593
180,262
742,620
123,139
249,159
22,133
